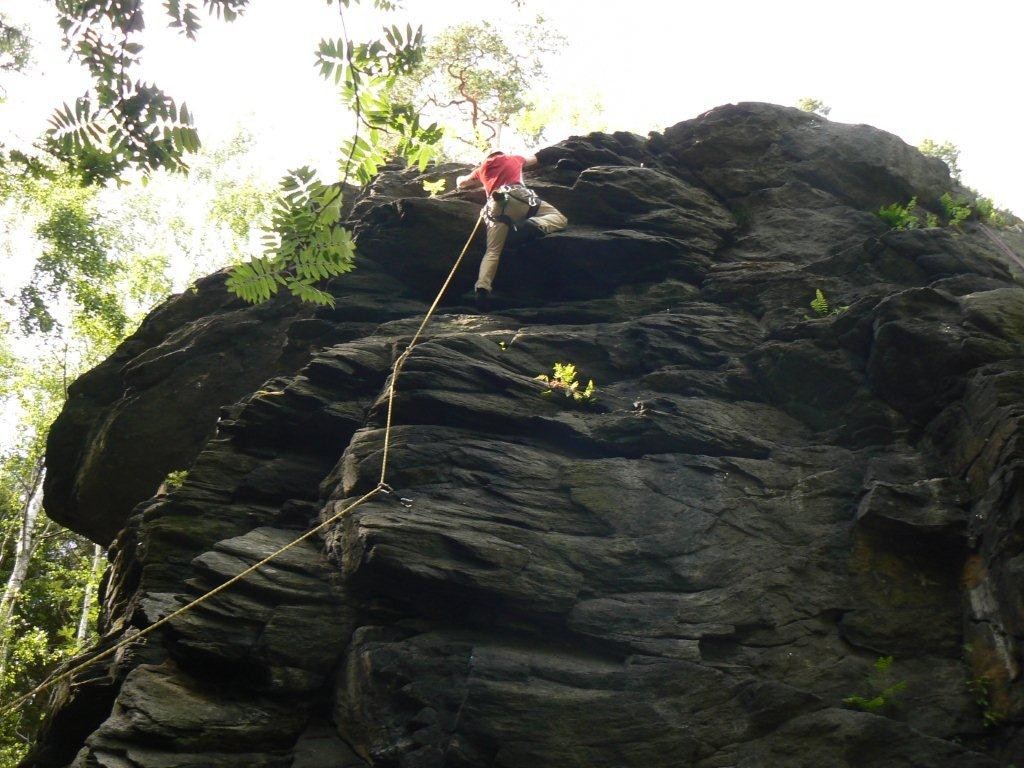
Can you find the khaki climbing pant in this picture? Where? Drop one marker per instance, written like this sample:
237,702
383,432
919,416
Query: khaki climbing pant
548,218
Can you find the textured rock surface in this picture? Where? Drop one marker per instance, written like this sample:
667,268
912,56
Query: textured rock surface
695,571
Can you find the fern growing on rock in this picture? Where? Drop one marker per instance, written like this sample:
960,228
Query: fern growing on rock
900,216
564,382
884,688
821,306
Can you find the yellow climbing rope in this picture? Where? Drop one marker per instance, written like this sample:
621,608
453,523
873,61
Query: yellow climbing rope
381,487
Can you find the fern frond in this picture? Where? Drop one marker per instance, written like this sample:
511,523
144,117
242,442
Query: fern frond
819,303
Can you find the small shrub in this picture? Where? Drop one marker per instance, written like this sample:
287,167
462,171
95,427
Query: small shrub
434,188
884,688
931,220
981,688
957,211
947,152
175,480
900,217
987,212
564,382
821,306
815,106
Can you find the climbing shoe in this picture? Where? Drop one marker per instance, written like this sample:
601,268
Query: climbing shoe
524,233
483,299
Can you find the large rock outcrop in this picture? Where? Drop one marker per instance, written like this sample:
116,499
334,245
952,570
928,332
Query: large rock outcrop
701,569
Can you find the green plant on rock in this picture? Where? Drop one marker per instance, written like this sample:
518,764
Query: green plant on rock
434,188
986,210
884,688
900,216
947,152
957,211
564,382
815,106
981,689
821,306
176,479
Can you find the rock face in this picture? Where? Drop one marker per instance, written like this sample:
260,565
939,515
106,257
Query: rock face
702,568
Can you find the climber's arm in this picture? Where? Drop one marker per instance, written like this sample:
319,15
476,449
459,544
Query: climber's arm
529,160
467,181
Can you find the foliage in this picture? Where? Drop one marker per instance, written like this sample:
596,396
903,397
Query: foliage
240,199
981,689
38,625
176,479
883,688
197,224
121,122
434,188
947,152
367,74
986,210
478,75
83,271
957,211
308,244
900,217
564,382
816,106
577,112
821,306
15,47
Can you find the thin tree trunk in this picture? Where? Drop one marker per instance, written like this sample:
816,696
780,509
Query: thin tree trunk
3,548
24,547
90,586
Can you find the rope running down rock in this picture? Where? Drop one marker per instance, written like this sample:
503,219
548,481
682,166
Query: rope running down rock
381,487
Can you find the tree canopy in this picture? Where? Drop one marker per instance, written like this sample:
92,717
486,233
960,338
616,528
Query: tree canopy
481,76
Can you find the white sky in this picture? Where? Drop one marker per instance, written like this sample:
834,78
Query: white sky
937,69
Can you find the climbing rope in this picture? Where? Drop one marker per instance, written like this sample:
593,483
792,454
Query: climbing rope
1001,245
381,487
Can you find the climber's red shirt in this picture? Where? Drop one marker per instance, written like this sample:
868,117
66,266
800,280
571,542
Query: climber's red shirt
498,170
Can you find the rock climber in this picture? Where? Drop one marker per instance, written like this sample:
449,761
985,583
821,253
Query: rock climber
510,204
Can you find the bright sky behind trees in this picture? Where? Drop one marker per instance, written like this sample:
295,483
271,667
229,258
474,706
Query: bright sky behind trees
940,69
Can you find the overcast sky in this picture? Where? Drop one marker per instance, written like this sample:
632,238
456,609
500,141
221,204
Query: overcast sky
936,69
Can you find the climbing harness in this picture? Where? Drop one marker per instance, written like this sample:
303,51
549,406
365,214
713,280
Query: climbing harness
382,487
495,210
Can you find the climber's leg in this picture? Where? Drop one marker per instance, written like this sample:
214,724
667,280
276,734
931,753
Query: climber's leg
496,234
548,219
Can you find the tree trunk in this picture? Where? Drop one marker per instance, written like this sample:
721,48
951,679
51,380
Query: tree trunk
24,546
3,548
90,587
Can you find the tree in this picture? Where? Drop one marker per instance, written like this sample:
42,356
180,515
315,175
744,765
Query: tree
48,573
15,49
816,106
947,152
122,123
191,226
478,76
83,267
576,112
